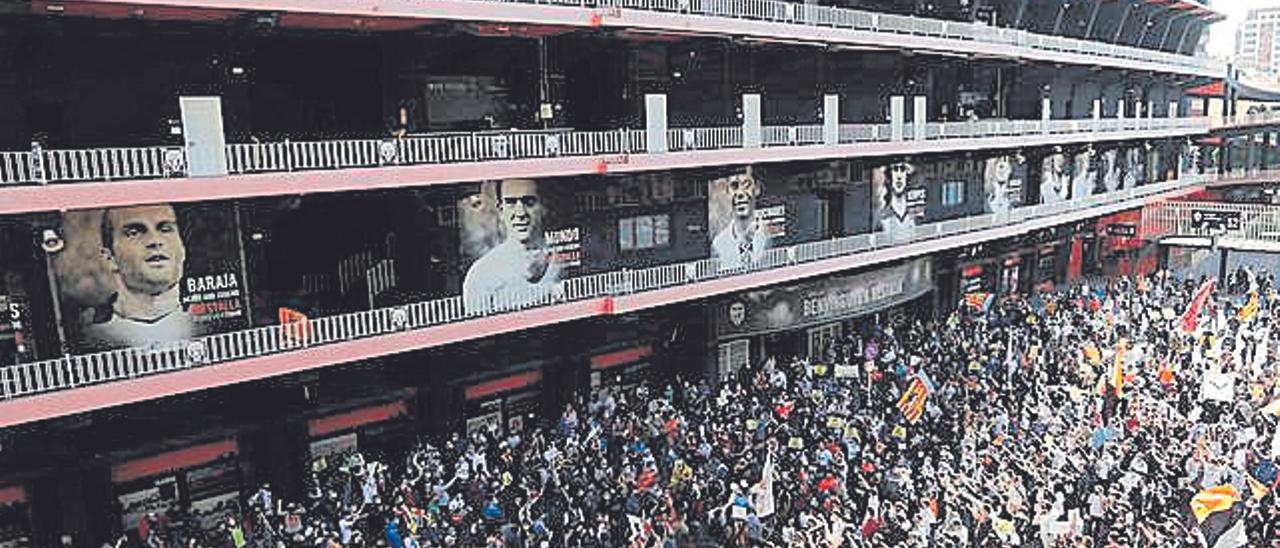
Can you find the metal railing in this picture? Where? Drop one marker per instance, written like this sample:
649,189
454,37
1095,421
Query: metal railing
792,12
1258,222
46,166
80,370
1245,120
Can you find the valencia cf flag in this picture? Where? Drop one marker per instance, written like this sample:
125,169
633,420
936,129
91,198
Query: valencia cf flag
1220,514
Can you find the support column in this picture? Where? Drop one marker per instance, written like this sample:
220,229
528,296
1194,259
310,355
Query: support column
831,119
919,117
1097,109
1120,107
655,114
897,115
1173,109
202,133
751,120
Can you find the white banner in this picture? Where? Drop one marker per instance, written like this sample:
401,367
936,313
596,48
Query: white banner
1218,387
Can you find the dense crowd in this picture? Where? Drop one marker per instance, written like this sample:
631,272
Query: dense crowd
1088,417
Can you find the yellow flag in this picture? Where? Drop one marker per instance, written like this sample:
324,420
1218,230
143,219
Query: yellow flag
1250,308
1256,487
1213,499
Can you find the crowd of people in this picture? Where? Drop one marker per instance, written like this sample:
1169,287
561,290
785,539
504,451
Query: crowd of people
1088,417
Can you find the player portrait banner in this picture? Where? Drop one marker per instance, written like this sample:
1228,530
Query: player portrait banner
1085,173
821,301
899,194
1135,172
1003,179
142,275
516,245
1055,177
744,222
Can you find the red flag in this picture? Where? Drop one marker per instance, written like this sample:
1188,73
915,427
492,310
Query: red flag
1189,318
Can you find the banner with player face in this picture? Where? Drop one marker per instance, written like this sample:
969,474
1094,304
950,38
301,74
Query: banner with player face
140,275
1055,177
744,222
1003,178
1086,173
1135,167
900,195
515,244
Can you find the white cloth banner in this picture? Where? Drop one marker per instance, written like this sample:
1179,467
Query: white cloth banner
1218,387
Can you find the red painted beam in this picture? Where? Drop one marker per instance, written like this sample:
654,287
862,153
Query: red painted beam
352,419
156,465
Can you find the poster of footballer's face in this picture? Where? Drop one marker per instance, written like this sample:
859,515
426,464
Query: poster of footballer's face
900,198
139,275
1003,177
511,248
742,228
1055,177
1112,171
1084,177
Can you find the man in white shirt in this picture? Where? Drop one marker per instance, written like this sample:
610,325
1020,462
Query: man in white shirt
895,218
521,268
143,249
743,241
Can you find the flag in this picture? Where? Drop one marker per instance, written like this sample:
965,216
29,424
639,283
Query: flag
1220,514
911,403
979,301
762,492
1117,370
1213,500
1250,308
1190,316
1258,489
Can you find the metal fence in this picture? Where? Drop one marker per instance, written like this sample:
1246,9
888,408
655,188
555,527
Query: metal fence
80,370
781,11
1258,222
45,166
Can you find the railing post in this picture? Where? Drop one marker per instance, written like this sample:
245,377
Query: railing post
897,115
288,156
655,112
830,118
38,173
919,116
751,120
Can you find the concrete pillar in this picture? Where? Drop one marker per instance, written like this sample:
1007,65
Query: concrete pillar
1151,109
751,120
897,115
205,141
919,117
1097,109
1119,108
1046,108
655,116
1173,109
831,119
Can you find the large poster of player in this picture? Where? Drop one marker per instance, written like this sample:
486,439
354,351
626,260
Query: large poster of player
1055,177
516,245
1003,178
1111,170
743,221
1085,173
900,195
141,275
1135,167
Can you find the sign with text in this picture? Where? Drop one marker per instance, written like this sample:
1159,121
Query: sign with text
821,301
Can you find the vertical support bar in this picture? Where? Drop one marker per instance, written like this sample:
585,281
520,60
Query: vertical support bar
751,120
655,114
1173,109
1120,107
1151,108
1046,109
897,115
919,116
1097,109
831,119
202,132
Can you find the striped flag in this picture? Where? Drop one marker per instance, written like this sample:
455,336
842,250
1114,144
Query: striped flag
911,403
1220,514
1250,308
1192,314
979,301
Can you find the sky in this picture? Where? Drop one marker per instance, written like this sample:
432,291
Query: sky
1222,35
